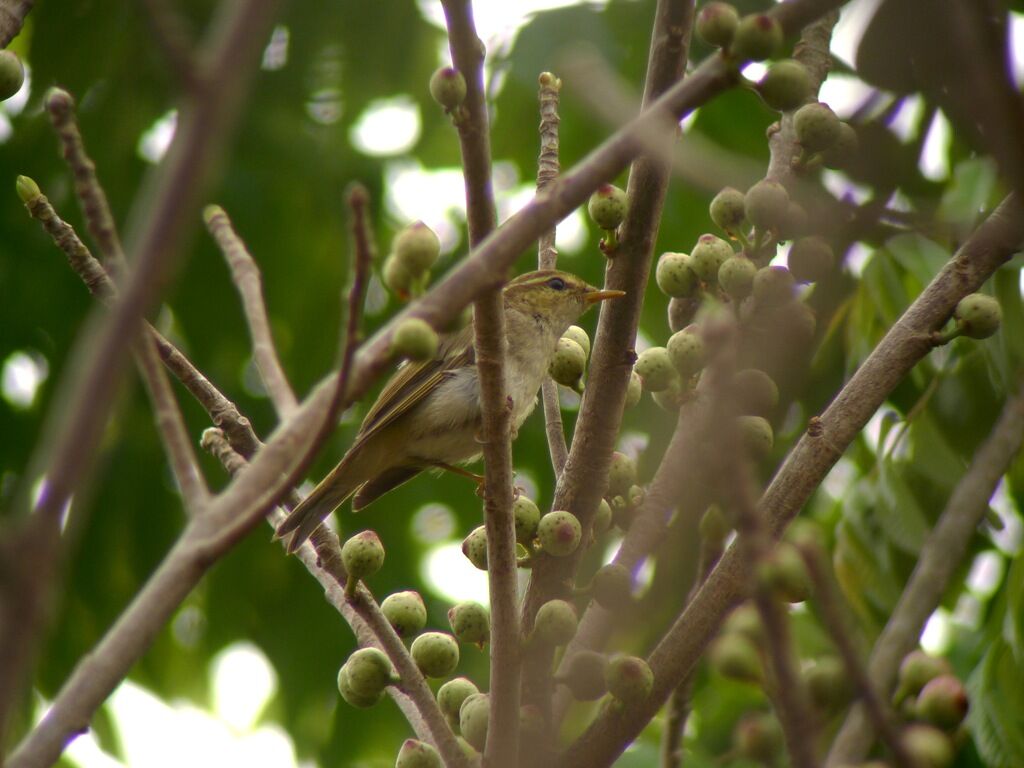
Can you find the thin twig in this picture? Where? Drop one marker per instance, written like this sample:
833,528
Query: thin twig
547,254
502,748
732,471
993,243
582,482
100,221
223,413
831,608
321,554
940,556
246,276
12,17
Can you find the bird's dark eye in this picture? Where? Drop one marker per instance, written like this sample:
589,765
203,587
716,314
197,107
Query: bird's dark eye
556,283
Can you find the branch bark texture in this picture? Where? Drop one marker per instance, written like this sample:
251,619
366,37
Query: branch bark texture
806,466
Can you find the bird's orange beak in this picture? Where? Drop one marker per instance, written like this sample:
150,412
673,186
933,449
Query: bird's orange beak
594,296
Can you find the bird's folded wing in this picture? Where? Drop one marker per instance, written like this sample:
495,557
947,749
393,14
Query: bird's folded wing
413,382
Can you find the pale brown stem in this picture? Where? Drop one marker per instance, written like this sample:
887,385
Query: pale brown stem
12,17
547,255
502,748
246,276
831,608
582,482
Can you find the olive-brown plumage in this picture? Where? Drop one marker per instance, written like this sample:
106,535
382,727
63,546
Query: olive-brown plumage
428,414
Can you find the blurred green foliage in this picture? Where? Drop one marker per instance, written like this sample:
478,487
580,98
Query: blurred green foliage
282,184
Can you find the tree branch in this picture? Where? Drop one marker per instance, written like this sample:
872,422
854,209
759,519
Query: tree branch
807,464
246,276
490,345
831,608
321,554
582,483
940,556
12,17
547,254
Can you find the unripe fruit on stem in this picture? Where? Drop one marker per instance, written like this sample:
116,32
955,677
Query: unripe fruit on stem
773,286
714,527
473,717
817,127
474,547
785,573
795,321
470,622
766,204
414,339
435,653
634,389
416,247
736,276
759,737
622,515
578,335
568,363
829,684
27,189
786,85
727,209
758,36
405,612
927,746
806,535
527,517
448,87
12,74
942,702
756,393
655,369
675,275
555,623
396,277
353,698
417,754
621,474
559,533
602,518
756,435
629,679
471,754
681,311
686,350
584,676
735,656
843,150
635,497
916,670
810,259
716,24
978,316
607,206
369,671
612,587
452,694
708,255
362,556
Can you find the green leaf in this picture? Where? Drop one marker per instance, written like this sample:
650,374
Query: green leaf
900,515
997,707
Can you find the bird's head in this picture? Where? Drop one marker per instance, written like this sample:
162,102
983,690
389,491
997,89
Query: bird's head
554,297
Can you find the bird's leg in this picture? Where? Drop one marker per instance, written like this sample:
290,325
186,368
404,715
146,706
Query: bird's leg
478,479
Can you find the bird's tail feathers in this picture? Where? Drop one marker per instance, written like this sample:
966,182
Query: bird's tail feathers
328,495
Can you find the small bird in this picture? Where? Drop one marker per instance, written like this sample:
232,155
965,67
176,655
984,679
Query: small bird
428,414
